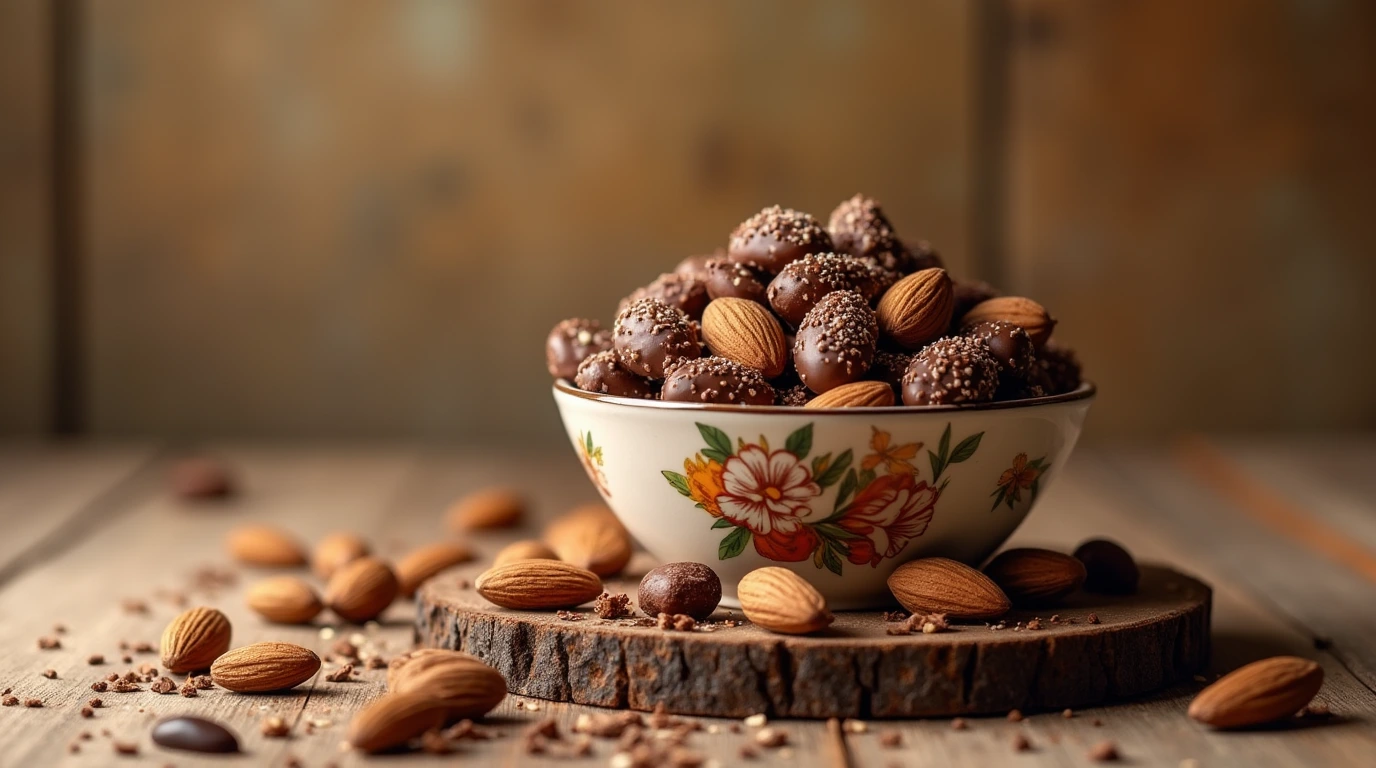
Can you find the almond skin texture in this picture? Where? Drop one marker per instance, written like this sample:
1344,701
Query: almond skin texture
527,549
746,332
468,687
591,537
361,590
418,660
336,550
939,585
263,667
1262,692
917,309
395,719
538,585
782,601
193,640
1026,313
284,600
486,509
857,394
1035,577
265,545
426,561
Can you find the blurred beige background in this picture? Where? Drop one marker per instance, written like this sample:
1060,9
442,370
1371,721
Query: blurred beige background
359,219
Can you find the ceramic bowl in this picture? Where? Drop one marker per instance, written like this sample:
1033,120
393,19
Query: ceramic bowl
841,496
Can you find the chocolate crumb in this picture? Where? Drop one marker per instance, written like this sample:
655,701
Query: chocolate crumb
1096,722
748,752
1104,752
88,712
959,724
609,606
100,686
188,690
1068,713
1021,743
1015,715
376,662
144,646
59,629
163,685
125,747
1034,624
49,643
895,615
9,701
33,703
568,615
124,686
51,674
202,682
95,703
1093,618
127,659
891,739
275,728
342,675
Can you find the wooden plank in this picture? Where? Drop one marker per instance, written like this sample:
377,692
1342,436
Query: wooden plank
344,198
25,207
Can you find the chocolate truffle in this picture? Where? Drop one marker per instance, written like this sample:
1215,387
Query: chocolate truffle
686,292
953,370
796,395
726,279
1009,344
836,341
1060,367
889,368
775,236
571,342
1109,568
716,380
803,283
692,589
603,374
649,335
696,264
921,255
859,227
968,294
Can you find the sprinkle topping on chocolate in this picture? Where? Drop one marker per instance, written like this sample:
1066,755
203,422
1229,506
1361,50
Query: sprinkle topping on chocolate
571,342
803,283
953,370
775,236
717,380
685,292
650,335
727,279
859,227
1009,344
602,373
836,341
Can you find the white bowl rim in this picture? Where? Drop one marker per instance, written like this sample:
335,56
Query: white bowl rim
1086,391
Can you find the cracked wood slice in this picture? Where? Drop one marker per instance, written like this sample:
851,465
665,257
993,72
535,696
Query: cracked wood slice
1143,642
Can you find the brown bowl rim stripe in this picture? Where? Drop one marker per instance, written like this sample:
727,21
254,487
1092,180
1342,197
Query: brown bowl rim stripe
1086,391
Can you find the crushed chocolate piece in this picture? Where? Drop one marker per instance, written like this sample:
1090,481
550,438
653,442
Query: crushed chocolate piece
87,712
1034,624
100,686
609,606
895,615
51,674
188,690
1021,743
1097,723
95,703
1104,752
202,682
124,686
33,703
344,674
95,659
1093,618
127,659
9,701
49,643
125,747
163,685
569,615
345,648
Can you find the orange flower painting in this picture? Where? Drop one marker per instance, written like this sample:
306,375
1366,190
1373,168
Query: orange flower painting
1023,475
896,459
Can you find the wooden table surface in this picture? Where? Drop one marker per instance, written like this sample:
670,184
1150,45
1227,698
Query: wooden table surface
1283,529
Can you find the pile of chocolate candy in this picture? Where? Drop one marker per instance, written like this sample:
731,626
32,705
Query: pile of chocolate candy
792,310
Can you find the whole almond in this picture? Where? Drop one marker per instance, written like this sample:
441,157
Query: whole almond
335,550
285,600
265,545
361,590
857,394
426,561
395,719
917,309
487,509
1261,692
746,332
263,667
939,585
418,660
1035,577
468,687
193,640
1026,313
782,601
591,537
538,585
526,549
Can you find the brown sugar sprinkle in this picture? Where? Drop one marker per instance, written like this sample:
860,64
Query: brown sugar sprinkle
609,606
163,685
51,674
100,686
275,728
1015,715
95,703
9,701
344,674
891,739
1021,743
959,724
95,659
33,703
49,643
87,712
1104,752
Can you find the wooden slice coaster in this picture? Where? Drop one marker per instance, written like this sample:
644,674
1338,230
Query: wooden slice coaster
1141,643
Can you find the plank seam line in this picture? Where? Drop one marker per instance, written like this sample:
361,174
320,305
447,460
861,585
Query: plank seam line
95,515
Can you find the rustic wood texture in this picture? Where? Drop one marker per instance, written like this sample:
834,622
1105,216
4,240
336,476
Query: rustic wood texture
136,542
365,217
1189,191
1149,641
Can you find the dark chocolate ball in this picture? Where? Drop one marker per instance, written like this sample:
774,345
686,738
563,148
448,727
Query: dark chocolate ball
803,283
650,335
1009,344
696,264
716,380
889,368
728,280
571,342
836,341
1109,567
859,227
950,371
775,236
688,588
1060,367
685,292
603,373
